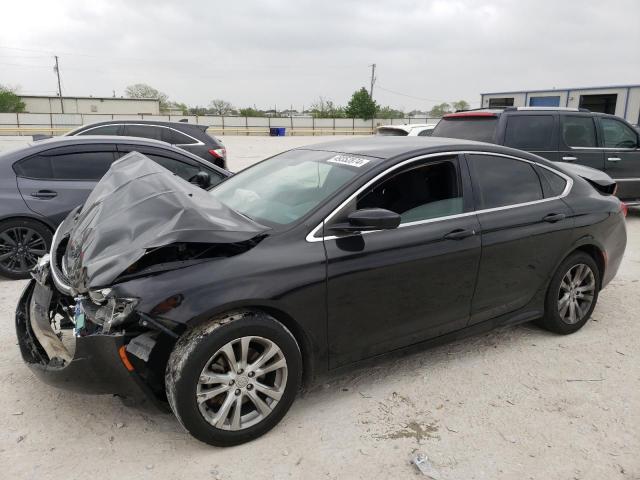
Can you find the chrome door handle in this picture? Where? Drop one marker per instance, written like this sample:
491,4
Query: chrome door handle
569,159
44,194
614,159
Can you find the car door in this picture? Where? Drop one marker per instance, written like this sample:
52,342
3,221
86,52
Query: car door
181,165
578,141
55,181
392,288
622,156
525,229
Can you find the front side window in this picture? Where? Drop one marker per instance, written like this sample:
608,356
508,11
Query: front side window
578,131
70,166
618,135
529,132
104,130
418,193
143,131
502,181
284,188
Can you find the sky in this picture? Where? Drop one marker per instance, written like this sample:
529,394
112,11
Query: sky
276,53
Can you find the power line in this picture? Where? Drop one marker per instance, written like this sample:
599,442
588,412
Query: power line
414,97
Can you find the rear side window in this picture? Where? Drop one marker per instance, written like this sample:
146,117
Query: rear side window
392,132
143,131
176,138
104,130
502,181
71,166
618,135
529,132
481,129
553,185
578,131
426,133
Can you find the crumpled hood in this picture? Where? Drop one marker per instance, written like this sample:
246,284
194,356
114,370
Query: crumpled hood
137,206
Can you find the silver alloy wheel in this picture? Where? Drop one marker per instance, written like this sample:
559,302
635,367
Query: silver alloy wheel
576,293
241,383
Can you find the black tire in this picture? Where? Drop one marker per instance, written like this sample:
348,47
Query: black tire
195,349
17,266
552,319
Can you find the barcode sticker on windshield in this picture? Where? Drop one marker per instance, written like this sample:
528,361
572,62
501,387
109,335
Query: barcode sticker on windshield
349,160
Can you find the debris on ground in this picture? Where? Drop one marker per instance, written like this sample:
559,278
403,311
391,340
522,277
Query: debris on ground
21,438
425,467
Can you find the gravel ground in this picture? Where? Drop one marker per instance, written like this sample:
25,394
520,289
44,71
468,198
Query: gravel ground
516,403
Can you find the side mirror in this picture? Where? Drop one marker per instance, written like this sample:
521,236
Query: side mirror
369,219
202,179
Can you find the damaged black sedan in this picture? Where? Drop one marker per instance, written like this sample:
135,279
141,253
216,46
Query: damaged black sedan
222,303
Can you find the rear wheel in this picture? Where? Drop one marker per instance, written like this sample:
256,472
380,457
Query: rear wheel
232,380
22,242
572,295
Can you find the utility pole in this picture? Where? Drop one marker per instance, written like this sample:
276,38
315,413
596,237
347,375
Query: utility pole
57,70
373,79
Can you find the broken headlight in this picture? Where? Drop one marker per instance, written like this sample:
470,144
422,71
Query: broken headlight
111,311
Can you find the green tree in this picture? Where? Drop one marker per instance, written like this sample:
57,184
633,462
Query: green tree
322,108
361,105
221,107
198,111
460,105
9,101
388,112
142,90
251,112
178,106
440,110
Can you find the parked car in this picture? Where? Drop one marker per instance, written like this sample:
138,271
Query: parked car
311,260
188,136
597,140
41,183
409,130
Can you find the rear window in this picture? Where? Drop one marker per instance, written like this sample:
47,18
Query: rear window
481,129
529,132
392,132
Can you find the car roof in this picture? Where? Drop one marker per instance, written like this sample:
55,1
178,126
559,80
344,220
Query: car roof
42,145
88,139
386,147
407,127
164,123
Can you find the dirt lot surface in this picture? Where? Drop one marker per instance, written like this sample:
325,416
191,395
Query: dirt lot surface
517,403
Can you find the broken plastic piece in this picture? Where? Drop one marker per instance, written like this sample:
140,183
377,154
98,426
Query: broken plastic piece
424,465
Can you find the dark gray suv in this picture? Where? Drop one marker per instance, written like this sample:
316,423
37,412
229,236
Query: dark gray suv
41,183
597,140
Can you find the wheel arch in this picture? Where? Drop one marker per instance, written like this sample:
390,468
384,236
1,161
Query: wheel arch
39,220
303,339
591,247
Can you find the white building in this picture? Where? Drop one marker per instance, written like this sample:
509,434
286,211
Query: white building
104,105
620,100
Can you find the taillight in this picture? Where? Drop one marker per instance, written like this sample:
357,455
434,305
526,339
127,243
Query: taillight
624,208
219,153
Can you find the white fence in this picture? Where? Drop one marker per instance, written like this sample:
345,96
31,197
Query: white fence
59,123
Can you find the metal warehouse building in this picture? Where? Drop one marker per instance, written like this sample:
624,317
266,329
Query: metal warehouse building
104,105
620,100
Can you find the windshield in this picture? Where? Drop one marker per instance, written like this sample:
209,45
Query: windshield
392,132
481,129
286,187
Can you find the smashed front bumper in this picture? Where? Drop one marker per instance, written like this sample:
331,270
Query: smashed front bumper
86,364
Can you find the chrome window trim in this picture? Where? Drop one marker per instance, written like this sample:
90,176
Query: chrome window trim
613,149
197,142
311,235
627,179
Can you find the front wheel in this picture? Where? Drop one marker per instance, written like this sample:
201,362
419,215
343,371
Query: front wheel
233,379
572,295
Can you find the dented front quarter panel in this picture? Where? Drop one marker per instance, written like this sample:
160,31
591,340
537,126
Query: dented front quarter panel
280,275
